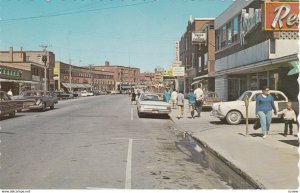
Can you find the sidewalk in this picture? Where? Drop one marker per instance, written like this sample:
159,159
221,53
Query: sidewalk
270,163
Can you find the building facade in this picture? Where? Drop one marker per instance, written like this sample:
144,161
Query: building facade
39,62
249,57
76,78
188,52
124,77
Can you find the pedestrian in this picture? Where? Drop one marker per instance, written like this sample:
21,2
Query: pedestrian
167,95
264,106
289,117
133,96
174,99
192,102
180,104
199,100
10,93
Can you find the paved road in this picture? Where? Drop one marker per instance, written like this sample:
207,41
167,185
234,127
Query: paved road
98,142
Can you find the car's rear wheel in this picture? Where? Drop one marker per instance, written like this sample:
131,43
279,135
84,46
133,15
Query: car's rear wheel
44,107
234,117
12,114
52,107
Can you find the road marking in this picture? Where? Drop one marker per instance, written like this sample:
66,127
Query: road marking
131,113
128,166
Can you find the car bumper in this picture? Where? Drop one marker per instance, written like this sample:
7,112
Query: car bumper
155,112
217,114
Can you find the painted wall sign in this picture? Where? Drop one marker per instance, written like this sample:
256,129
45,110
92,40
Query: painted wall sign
281,16
249,21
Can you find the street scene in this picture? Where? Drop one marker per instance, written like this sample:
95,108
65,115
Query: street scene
180,95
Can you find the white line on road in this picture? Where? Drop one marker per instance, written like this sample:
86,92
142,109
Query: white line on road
131,113
128,166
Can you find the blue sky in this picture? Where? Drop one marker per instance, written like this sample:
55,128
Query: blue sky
137,33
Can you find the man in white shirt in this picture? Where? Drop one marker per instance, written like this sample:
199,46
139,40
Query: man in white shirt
10,93
173,99
199,100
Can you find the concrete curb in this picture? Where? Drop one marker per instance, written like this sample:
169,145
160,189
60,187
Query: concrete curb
250,180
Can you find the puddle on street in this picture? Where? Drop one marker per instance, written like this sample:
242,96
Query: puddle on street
198,155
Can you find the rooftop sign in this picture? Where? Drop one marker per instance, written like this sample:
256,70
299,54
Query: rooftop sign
281,16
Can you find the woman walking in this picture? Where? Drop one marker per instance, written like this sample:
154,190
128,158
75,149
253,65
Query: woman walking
264,107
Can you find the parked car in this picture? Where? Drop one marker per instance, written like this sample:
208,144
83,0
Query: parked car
63,95
233,112
210,98
54,96
84,93
9,106
151,103
90,93
41,100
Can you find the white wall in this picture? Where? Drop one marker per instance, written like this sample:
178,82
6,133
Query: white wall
285,48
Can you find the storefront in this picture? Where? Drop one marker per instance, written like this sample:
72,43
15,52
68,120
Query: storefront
249,58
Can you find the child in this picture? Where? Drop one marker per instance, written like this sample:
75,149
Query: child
289,116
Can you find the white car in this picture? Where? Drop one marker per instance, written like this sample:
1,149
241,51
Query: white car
233,112
152,104
84,93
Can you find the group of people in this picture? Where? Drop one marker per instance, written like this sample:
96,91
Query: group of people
265,106
195,101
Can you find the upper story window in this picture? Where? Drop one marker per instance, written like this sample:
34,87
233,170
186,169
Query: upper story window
228,33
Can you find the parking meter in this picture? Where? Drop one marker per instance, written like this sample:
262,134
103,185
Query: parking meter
246,100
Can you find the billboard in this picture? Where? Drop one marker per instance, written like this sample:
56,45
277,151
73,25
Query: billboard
281,16
198,37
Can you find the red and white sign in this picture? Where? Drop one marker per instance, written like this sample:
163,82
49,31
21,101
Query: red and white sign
281,16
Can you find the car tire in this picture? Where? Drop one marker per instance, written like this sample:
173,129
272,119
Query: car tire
12,114
52,107
234,117
44,107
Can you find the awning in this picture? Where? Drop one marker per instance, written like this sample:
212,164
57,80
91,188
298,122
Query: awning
19,81
201,77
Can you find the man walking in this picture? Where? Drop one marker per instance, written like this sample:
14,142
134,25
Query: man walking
199,100
180,104
173,99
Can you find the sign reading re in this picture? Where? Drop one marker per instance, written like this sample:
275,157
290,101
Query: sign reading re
281,16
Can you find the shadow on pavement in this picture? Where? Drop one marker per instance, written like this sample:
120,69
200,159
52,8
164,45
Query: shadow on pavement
155,117
291,142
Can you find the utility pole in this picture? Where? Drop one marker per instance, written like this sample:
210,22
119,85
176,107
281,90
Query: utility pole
44,59
92,77
70,75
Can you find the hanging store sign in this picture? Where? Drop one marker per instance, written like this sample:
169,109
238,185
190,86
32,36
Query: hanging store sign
198,37
281,16
178,71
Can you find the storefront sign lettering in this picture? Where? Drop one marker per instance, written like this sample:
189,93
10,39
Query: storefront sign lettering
281,16
249,21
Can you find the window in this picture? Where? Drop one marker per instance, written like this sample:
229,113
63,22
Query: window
229,32
200,64
223,36
278,97
205,62
236,31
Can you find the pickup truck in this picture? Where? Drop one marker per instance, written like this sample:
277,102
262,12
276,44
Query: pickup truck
9,106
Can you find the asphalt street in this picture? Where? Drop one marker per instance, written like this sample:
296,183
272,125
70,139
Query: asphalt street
98,143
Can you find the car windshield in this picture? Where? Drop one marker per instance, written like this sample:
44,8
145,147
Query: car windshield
242,97
151,97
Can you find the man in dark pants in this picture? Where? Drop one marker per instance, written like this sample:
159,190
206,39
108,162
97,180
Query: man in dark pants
199,100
